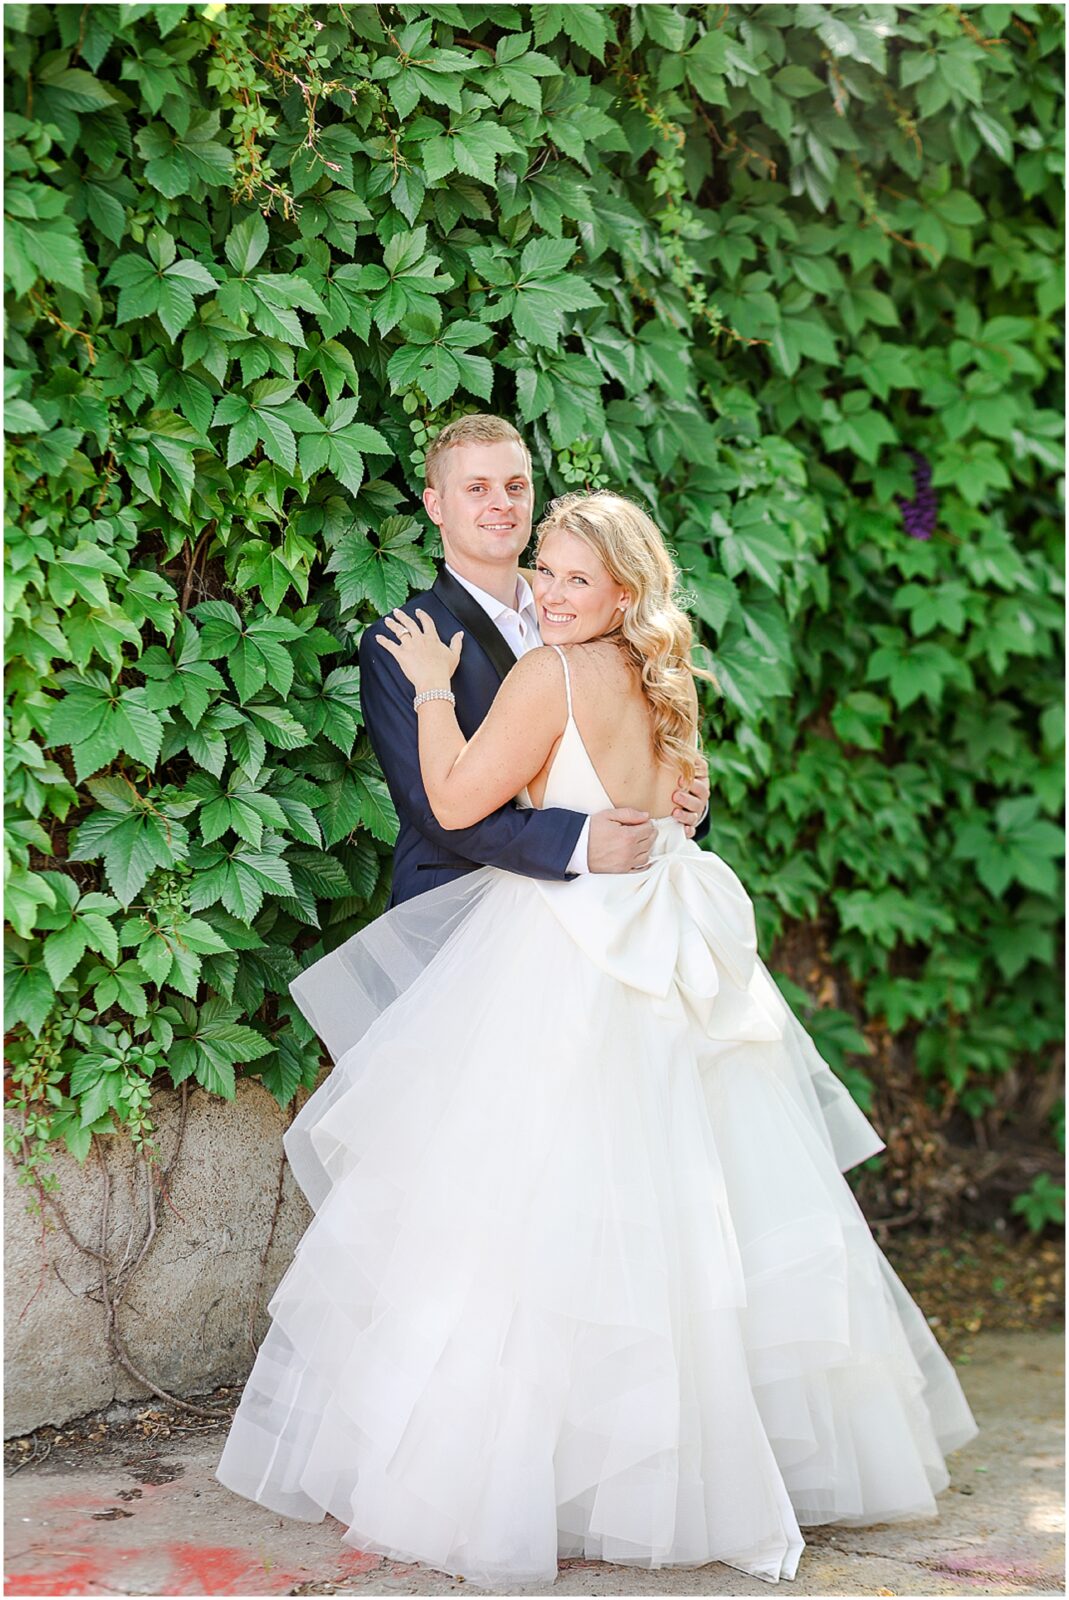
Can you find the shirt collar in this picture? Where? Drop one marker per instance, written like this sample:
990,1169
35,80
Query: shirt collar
494,607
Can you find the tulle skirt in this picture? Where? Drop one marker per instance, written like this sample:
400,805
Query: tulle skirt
584,1276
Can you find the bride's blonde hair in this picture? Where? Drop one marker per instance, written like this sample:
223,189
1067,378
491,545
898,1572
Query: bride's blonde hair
655,632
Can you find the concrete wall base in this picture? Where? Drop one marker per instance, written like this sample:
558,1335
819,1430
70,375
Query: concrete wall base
196,1307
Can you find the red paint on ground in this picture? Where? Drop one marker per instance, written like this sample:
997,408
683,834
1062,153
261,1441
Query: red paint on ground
185,1569
357,1561
219,1569
77,1577
81,1502
982,1571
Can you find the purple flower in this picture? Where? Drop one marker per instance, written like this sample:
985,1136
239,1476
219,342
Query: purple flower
919,514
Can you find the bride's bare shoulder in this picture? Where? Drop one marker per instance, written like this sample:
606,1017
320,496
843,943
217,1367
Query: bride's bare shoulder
591,649
600,652
533,671
601,666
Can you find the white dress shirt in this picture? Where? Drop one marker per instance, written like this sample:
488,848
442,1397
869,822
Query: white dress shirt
518,626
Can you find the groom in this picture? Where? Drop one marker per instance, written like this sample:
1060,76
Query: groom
480,495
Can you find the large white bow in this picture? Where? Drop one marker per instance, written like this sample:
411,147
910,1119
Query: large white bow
682,931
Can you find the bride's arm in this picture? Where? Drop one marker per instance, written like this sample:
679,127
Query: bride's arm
466,780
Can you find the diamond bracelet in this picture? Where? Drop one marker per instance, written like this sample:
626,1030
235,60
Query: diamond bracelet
433,694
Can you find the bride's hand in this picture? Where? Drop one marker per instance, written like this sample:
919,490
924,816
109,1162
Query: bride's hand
426,661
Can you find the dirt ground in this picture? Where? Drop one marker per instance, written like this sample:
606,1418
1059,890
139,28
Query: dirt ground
129,1505
980,1281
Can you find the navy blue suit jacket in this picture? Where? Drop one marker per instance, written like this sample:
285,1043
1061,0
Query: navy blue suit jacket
537,844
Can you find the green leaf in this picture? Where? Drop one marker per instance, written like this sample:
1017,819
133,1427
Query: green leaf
353,798
25,893
860,718
923,670
706,67
279,444
132,846
178,164
98,723
29,993
476,147
63,951
105,212
71,89
959,209
340,707
272,724
588,26
994,133
345,460
798,82
863,431
384,572
666,26
48,250
246,243
753,545
961,75
209,1042
21,417
174,306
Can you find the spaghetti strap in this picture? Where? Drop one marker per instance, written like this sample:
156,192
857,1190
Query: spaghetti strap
567,675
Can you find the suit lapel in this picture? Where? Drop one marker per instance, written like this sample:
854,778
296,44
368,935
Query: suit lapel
470,614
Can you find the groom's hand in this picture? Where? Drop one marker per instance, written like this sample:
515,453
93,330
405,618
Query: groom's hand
620,840
692,804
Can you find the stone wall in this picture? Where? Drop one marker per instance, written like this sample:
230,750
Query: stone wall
196,1306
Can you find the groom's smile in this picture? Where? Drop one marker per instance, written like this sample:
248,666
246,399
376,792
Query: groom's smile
482,502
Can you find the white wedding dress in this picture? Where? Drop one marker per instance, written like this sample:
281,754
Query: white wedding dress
584,1276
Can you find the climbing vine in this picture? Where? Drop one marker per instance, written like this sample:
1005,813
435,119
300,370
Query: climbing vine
789,274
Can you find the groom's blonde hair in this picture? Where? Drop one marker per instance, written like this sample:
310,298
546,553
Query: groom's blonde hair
477,428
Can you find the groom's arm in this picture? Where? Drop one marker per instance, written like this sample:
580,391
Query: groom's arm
536,844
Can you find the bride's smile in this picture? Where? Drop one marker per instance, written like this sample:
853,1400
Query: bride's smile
577,597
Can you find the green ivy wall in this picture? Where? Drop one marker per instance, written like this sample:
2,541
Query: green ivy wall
740,261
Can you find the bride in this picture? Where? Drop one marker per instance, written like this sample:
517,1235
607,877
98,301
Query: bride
585,1277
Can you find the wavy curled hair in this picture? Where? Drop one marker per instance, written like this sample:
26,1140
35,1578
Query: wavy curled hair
655,632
